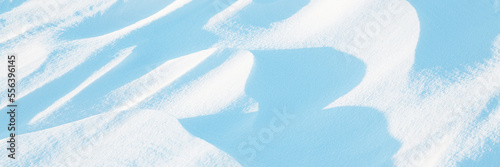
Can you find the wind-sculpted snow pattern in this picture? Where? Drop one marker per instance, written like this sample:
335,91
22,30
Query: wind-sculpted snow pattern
251,82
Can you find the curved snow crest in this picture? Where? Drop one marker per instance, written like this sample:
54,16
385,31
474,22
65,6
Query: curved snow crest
224,16
99,141
212,92
73,53
437,121
384,35
133,93
96,75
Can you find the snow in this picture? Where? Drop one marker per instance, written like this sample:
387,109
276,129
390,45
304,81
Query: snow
386,82
124,141
138,90
47,112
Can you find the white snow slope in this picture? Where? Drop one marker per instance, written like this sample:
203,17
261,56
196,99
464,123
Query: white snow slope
116,83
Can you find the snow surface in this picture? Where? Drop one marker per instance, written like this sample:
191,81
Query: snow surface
254,82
